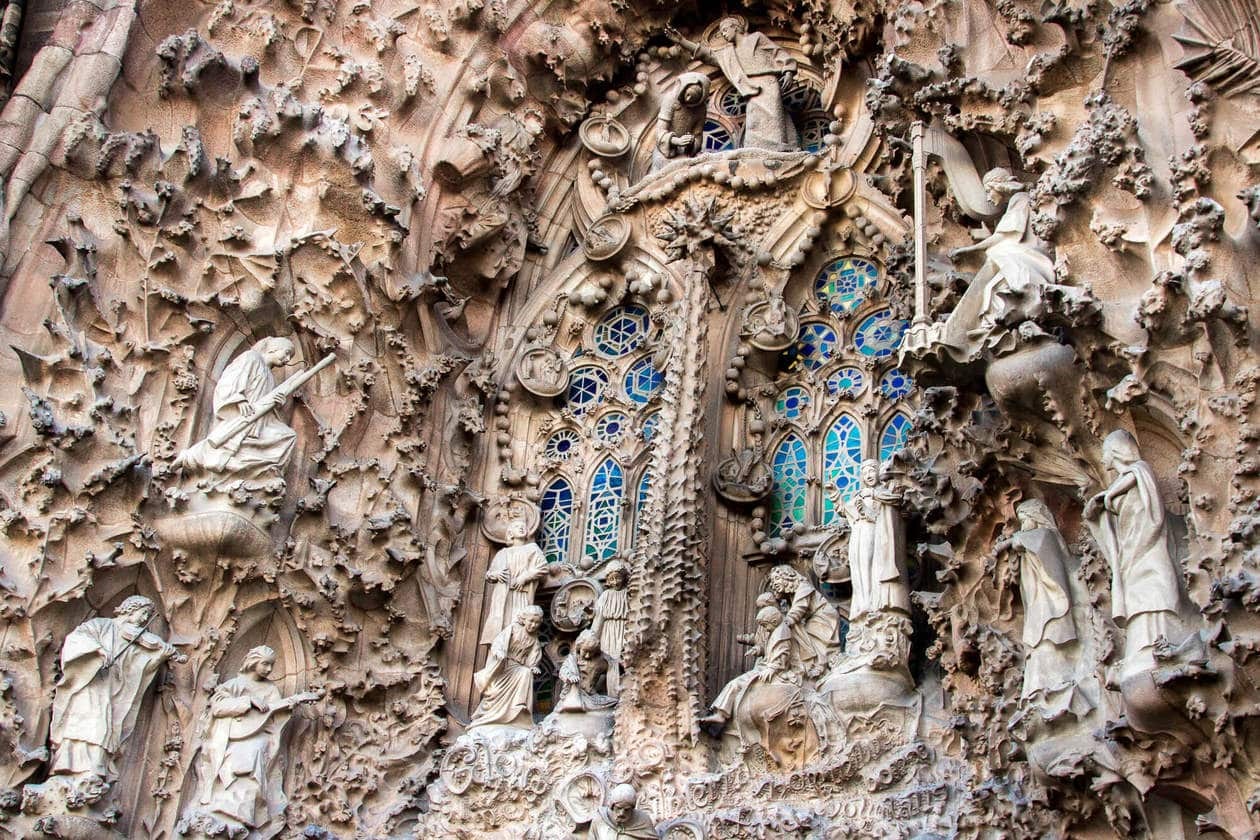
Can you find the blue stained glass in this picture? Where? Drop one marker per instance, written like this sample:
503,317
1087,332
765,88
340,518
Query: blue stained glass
844,283
610,426
802,97
842,459
792,403
643,380
562,444
649,426
732,104
640,501
603,512
586,388
815,346
813,130
787,500
846,382
716,137
621,331
879,334
894,385
893,438
557,518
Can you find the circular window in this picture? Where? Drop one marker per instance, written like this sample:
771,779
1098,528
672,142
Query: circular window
643,380
621,331
894,385
879,334
716,137
844,283
846,382
562,444
815,345
610,427
792,403
586,388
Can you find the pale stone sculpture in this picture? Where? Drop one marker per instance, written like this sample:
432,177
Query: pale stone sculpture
1012,283
875,546
247,440
814,623
680,124
240,792
513,577
620,819
1049,634
581,676
608,621
1130,524
754,65
506,682
772,647
106,667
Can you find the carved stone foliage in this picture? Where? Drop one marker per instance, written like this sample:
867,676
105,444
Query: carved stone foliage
473,418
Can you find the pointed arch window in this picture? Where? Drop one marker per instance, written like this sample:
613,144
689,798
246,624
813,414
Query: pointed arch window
842,458
557,516
603,512
788,498
893,438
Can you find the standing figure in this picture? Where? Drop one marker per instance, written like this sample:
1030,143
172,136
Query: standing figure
240,449
875,547
680,124
506,682
814,623
620,819
514,574
1017,272
609,622
241,775
106,667
1049,629
755,66
443,553
1129,523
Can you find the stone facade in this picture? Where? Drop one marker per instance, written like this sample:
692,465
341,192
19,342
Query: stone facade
608,418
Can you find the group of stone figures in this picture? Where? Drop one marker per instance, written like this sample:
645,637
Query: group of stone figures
107,665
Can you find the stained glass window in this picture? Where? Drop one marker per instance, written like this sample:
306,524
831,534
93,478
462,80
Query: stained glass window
643,380
562,444
621,331
846,382
610,427
557,516
815,346
586,388
645,482
731,103
649,426
893,438
802,97
879,334
716,137
792,402
603,512
813,129
844,283
894,385
842,456
787,501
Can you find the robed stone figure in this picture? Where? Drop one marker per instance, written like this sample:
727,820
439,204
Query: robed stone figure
620,819
242,390
812,622
875,546
754,65
1129,524
506,682
107,665
513,577
242,779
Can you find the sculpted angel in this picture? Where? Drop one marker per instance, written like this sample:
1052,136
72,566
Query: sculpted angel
875,546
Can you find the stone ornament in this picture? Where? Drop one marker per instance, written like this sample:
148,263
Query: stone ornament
876,555
506,682
608,620
680,123
501,512
240,791
511,580
606,237
828,186
770,324
605,136
744,477
573,604
582,795
543,372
